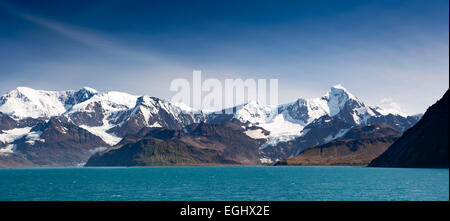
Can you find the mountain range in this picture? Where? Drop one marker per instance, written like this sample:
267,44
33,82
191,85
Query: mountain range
68,128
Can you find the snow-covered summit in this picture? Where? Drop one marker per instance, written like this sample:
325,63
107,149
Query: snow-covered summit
253,112
24,102
337,97
339,90
302,111
79,96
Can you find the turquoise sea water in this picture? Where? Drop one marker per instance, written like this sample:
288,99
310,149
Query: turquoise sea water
225,183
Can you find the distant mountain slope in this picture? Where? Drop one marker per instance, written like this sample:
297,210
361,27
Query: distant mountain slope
425,145
197,144
152,151
56,142
358,146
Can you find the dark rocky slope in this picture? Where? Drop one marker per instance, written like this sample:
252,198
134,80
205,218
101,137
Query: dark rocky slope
197,144
358,146
6,122
60,143
425,145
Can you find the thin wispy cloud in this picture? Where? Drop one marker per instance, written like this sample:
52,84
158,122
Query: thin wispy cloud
146,64
376,49
390,105
90,38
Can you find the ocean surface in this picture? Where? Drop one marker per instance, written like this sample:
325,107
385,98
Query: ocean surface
225,183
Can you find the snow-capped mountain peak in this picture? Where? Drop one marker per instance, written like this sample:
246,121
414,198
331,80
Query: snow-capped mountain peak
145,105
337,97
303,111
253,112
80,96
85,100
24,102
338,89
90,90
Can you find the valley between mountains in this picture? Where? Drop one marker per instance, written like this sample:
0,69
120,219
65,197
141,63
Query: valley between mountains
85,127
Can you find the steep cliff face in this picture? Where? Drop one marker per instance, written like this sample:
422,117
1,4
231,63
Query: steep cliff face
425,145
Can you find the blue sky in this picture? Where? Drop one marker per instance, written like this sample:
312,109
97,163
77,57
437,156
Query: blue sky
385,52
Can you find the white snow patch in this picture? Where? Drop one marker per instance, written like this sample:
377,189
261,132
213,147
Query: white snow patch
265,160
146,113
256,134
34,136
64,130
279,127
111,102
317,108
100,131
274,140
253,112
9,136
98,149
330,137
156,124
7,150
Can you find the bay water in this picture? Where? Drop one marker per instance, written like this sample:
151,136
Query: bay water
240,183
